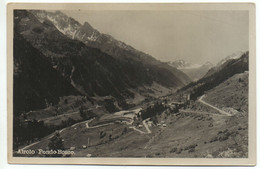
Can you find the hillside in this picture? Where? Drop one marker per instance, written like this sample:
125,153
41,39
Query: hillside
106,43
195,130
216,76
233,93
89,70
225,62
85,93
186,134
36,82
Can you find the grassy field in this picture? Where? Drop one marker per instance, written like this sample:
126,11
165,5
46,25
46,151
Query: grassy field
188,134
233,93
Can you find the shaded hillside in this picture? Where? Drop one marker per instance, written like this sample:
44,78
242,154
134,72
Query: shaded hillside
65,52
106,43
224,62
87,69
36,83
225,71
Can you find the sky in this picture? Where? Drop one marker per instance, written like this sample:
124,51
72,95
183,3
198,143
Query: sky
194,36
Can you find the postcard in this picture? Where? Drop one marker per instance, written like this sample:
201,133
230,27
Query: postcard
131,83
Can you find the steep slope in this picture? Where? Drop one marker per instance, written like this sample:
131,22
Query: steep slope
87,69
219,75
35,81
235,55
224,62
106,43
230,95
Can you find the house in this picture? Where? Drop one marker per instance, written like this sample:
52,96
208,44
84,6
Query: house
72,148
140,125
150,123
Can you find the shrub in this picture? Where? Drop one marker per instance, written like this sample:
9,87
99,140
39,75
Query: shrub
213,139
86,114
102,134
191,147
173,150
191,150
223,138
56,143
157,153
179,151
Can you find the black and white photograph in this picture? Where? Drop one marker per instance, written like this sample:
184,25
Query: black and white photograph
159,81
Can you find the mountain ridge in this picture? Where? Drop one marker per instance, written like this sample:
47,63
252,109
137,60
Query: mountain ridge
88,69
214,77
106,43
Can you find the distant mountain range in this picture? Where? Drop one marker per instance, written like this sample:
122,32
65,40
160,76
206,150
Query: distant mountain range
235,55
218,75
224,62
77,59
194,71
197,71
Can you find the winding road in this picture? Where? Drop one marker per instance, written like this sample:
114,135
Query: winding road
101,125
121,113
87,121
134,128
207,104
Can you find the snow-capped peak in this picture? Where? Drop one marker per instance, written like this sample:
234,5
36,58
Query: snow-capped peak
235,55
64,24
182,64
179,64
209,64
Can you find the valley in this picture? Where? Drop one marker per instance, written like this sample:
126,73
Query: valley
209,132
83,92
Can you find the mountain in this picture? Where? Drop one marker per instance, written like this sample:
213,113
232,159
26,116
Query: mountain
224,62
218,75
106,43
179,64
194,71
90,71
232,93
35,80
235,55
